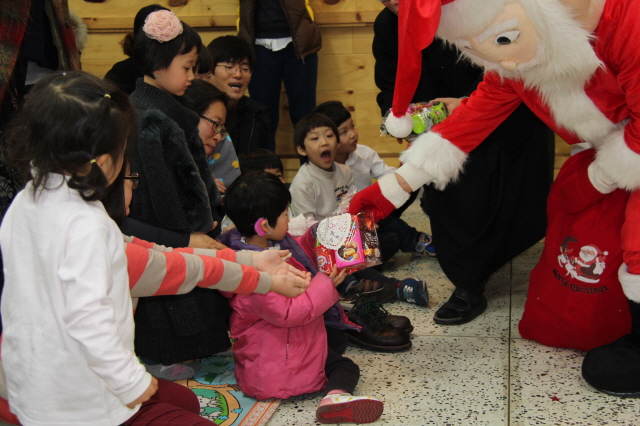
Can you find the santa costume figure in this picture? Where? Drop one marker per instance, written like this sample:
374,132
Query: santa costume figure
573,64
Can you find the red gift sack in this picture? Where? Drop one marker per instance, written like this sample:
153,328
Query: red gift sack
575,299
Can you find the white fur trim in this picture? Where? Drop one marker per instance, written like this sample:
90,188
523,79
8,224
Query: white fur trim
618,161
630,283
600,180
79,30
392,191
414,176
437,157
399,127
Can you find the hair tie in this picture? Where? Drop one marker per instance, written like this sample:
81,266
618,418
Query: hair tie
258,227
92,161
106,95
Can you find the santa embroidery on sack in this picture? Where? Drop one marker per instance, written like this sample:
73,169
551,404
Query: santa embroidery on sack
584,263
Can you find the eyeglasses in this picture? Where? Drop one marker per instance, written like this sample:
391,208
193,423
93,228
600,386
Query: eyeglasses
134,178
232,69
218,127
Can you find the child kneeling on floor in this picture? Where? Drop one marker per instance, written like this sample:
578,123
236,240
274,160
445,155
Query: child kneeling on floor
284,348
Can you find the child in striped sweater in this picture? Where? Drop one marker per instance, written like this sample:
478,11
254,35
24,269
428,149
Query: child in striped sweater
66,307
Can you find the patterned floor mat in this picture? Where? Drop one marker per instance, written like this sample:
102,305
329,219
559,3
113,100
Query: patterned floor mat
221,400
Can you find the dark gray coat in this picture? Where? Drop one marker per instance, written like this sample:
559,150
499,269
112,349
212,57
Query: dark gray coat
176,192
176,189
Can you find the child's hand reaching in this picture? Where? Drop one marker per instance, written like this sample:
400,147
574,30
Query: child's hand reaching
146,395
338,277
289,285
273,262
202,240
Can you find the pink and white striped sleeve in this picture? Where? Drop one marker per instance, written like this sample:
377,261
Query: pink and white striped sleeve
158,271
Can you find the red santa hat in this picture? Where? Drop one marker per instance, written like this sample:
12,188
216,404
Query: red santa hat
418,22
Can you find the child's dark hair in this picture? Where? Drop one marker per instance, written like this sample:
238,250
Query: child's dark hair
231,49
258,160
138,22
253,196
335,110
205,61
68,120
151,55
203,94
307,124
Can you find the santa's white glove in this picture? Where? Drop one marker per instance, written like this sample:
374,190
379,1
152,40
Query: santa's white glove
600,180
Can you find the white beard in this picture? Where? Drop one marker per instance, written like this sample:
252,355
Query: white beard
562,67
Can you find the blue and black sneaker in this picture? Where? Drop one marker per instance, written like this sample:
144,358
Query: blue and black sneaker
424,247
413,291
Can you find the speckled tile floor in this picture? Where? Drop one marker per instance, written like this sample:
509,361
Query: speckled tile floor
481,373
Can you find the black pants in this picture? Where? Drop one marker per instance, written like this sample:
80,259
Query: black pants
341,371
497,209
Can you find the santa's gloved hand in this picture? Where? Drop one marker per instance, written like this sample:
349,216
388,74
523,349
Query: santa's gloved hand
381,198
600,179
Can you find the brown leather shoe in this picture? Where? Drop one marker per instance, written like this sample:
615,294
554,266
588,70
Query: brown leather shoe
400,322
377,334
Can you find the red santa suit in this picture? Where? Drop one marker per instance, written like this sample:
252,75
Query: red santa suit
561,310
596,104
613,89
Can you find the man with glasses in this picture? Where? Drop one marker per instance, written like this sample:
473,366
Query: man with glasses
247,120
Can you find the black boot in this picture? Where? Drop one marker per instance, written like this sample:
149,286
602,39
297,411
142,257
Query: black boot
615,368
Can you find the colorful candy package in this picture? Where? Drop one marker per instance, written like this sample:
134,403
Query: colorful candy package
348,242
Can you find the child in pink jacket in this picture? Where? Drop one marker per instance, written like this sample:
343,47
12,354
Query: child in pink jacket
284,347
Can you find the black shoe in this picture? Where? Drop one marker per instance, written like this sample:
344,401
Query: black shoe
461,308
376,334
374,290
615,368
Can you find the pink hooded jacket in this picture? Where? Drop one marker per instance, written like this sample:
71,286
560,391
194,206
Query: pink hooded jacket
282,342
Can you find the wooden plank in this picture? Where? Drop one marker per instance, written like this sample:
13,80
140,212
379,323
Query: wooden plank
336,41
346,72
362,39
118,14
562,148
367,112
97,68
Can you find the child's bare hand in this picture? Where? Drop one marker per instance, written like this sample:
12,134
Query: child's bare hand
338,277
202,240
221,188
273,262
289,285
153,387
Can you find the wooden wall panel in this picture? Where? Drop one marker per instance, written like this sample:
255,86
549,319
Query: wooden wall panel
217,13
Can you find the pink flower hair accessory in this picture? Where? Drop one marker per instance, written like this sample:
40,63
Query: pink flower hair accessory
162,25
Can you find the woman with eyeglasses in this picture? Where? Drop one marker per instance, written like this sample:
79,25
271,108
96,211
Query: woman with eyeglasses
211,106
